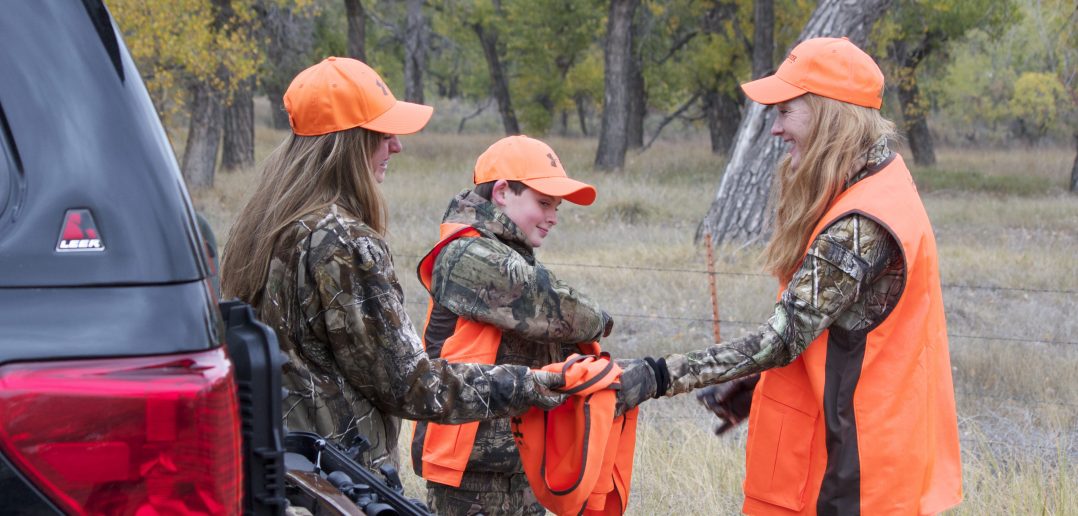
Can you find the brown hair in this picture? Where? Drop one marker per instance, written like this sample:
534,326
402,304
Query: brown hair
304,174
841,135
486,190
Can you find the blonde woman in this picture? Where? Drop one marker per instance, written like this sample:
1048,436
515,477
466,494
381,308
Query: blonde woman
308,252
847,388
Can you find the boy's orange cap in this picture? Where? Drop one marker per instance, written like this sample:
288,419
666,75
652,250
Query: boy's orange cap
532,162
341,93
828,67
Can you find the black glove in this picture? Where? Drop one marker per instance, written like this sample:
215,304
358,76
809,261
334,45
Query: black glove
729,401
641,378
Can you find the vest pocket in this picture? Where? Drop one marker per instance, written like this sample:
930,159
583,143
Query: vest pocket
779,451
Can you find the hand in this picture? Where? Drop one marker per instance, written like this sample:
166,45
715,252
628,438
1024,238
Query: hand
637,384
641,378
729,401
608,324
544,392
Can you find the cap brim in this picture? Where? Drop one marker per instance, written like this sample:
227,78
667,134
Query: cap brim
571,190
402,118
771,90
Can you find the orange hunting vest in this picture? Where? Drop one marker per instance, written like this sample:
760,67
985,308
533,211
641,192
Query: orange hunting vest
446,448
864,422
578,457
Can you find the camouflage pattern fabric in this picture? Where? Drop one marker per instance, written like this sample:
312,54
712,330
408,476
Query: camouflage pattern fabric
495,279
851,277
355,362
507,495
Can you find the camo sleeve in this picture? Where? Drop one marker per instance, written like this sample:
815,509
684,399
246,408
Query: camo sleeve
484,280
855,261
376,349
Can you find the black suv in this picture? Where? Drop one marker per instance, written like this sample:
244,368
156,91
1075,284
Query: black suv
117,395
125,387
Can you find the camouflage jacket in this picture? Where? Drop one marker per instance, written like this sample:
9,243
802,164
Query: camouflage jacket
495,279
851,276
355,363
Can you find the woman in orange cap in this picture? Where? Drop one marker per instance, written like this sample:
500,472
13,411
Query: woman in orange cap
847,388
308,252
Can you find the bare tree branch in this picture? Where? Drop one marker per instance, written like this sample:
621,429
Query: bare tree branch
669,118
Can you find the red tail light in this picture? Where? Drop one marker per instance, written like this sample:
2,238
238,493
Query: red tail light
151,435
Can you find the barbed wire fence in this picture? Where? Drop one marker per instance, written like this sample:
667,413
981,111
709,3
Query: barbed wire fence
1070,292
1069,447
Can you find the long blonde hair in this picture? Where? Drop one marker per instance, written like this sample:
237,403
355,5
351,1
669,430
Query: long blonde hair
303,175
840,136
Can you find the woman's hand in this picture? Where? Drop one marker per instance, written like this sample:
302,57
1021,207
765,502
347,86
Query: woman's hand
544,392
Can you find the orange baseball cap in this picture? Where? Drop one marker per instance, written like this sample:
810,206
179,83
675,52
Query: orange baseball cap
828,67
532,162
341,93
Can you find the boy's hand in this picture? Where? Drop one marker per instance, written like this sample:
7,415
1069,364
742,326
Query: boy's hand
544,389
729,401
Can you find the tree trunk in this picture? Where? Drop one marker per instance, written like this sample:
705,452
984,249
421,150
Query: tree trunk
739,211
763,37
613,133
415,52
723,116
357,29
203,137
582,113
638,93
914,124
1074,169
289,34
638,102
914,121
499,85
277,111
239,139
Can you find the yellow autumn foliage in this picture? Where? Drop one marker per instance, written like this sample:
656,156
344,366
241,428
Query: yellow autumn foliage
176,43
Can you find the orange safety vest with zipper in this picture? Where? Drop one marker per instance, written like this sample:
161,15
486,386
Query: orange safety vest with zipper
446,448
864,422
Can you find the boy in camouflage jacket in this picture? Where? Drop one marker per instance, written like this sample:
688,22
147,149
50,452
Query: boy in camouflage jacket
494,278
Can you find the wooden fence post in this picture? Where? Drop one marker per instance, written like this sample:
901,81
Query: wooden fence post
711,284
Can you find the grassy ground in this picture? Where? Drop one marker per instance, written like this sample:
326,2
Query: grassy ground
1002,220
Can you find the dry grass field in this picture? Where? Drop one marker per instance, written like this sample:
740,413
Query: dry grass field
1007,233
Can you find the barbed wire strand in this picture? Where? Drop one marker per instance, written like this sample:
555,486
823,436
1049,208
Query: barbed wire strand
755,323
750,323
762,275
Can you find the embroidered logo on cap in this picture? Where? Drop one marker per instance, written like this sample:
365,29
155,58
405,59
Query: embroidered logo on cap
79,233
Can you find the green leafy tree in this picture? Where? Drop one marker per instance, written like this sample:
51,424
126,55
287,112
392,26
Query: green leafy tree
918,32
971,95
457,66
1038,99
549,39
699,50
485,22
975,96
